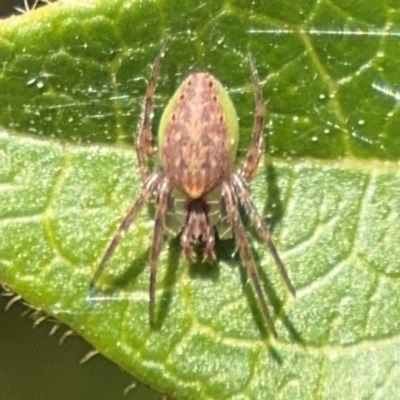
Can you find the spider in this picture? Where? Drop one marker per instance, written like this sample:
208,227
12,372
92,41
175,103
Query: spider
196,189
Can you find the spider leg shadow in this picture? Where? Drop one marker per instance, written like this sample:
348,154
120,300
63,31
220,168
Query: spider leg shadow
272,299
273,206
211,270
277,306
135,269
199,269
169,282
274,303
119,283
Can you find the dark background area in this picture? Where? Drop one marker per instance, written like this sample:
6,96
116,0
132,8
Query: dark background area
34,365
8,7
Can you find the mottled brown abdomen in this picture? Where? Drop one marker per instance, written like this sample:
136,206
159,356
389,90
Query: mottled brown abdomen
198,136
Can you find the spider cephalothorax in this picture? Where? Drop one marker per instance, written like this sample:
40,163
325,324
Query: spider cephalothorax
196,189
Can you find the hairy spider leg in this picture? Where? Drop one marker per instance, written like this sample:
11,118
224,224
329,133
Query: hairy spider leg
255,150
244,197
245,175
245,252
144,151
151,185
144,148
198,228
159,223
236,191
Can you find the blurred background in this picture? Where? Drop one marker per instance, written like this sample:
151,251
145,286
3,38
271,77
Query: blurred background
35,366
12,7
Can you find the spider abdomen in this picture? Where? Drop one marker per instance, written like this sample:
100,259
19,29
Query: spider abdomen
198,136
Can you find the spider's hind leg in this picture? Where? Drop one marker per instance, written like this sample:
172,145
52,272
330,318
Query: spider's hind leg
144,148
256,146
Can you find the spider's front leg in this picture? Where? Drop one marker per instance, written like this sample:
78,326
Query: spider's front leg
149,187
231,205
239,182
244,197
144,150
163,193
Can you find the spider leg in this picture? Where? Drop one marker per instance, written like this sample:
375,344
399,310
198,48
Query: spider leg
144,148
159,223
256,146
149,186
187,245
243,194
209,252
198,228
242,243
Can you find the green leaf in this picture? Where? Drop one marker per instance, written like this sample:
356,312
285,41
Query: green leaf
72,82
